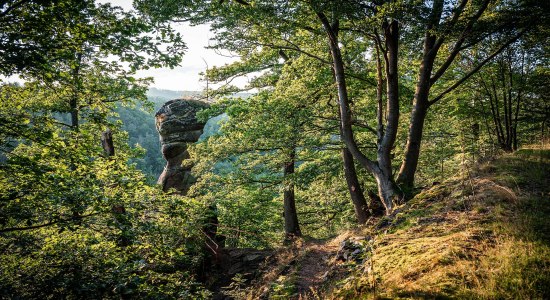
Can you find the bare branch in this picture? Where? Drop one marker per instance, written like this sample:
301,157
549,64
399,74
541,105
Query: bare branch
477,68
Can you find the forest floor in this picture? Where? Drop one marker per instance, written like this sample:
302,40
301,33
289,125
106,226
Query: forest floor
484,234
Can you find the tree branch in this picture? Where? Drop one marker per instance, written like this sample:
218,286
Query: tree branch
457,46
477,68
72,219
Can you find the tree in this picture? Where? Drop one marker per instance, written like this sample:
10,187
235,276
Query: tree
258,148
446,29
257,57
77,221
79,80
504,86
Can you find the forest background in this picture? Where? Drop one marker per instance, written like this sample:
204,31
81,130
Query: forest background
361,105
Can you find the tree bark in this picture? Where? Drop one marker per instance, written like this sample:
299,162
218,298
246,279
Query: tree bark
405,179
356,192
292,227
73,102
107,142
409,165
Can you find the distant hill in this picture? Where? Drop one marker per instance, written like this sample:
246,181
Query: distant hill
169,94
157,95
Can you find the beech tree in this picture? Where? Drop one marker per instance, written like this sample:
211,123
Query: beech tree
504,86
77,220
446,29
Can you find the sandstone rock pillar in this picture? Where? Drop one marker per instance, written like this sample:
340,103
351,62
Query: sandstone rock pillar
177,125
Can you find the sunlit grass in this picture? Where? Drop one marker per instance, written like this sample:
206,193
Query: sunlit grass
482,237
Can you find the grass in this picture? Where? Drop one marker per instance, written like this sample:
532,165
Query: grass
482,237
486,236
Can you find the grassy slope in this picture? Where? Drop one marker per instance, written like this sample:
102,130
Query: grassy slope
484,235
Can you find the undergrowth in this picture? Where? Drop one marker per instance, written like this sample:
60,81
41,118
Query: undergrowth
484,235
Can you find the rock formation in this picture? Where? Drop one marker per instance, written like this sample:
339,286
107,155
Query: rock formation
178,126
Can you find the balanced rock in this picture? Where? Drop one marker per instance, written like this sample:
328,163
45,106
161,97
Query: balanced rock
178,126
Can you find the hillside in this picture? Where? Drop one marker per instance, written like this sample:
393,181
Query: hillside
482,235
154,93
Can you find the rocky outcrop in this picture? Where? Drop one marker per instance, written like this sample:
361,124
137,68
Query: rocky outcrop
178,126
357,249
244,263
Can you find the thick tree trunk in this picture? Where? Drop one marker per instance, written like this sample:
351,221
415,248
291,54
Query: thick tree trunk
388,191
292,227
405,179
409,165
356,192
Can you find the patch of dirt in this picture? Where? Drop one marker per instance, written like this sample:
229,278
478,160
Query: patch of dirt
314,268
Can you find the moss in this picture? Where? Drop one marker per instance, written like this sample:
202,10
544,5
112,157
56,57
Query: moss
486,237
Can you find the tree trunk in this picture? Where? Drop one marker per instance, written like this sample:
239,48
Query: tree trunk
73,102
421,103
405,179
389,193
356,192
292,227
107,143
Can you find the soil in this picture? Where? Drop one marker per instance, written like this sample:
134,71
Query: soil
314,269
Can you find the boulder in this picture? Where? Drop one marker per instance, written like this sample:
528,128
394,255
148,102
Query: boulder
177,125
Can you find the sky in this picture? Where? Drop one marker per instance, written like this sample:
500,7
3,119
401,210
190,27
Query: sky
186,76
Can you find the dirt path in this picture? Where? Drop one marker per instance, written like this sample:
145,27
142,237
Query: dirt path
313,270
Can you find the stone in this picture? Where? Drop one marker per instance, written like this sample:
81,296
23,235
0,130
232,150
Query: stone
355,249
178,126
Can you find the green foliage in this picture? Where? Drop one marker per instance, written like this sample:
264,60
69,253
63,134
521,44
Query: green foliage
89,262
241,168
76,222
36,34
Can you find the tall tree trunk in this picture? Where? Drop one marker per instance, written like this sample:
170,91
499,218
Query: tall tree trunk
405,179
356,192
421,103
357,196
292,227
381,168
388,191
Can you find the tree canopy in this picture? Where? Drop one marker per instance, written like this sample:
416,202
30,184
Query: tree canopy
354,108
